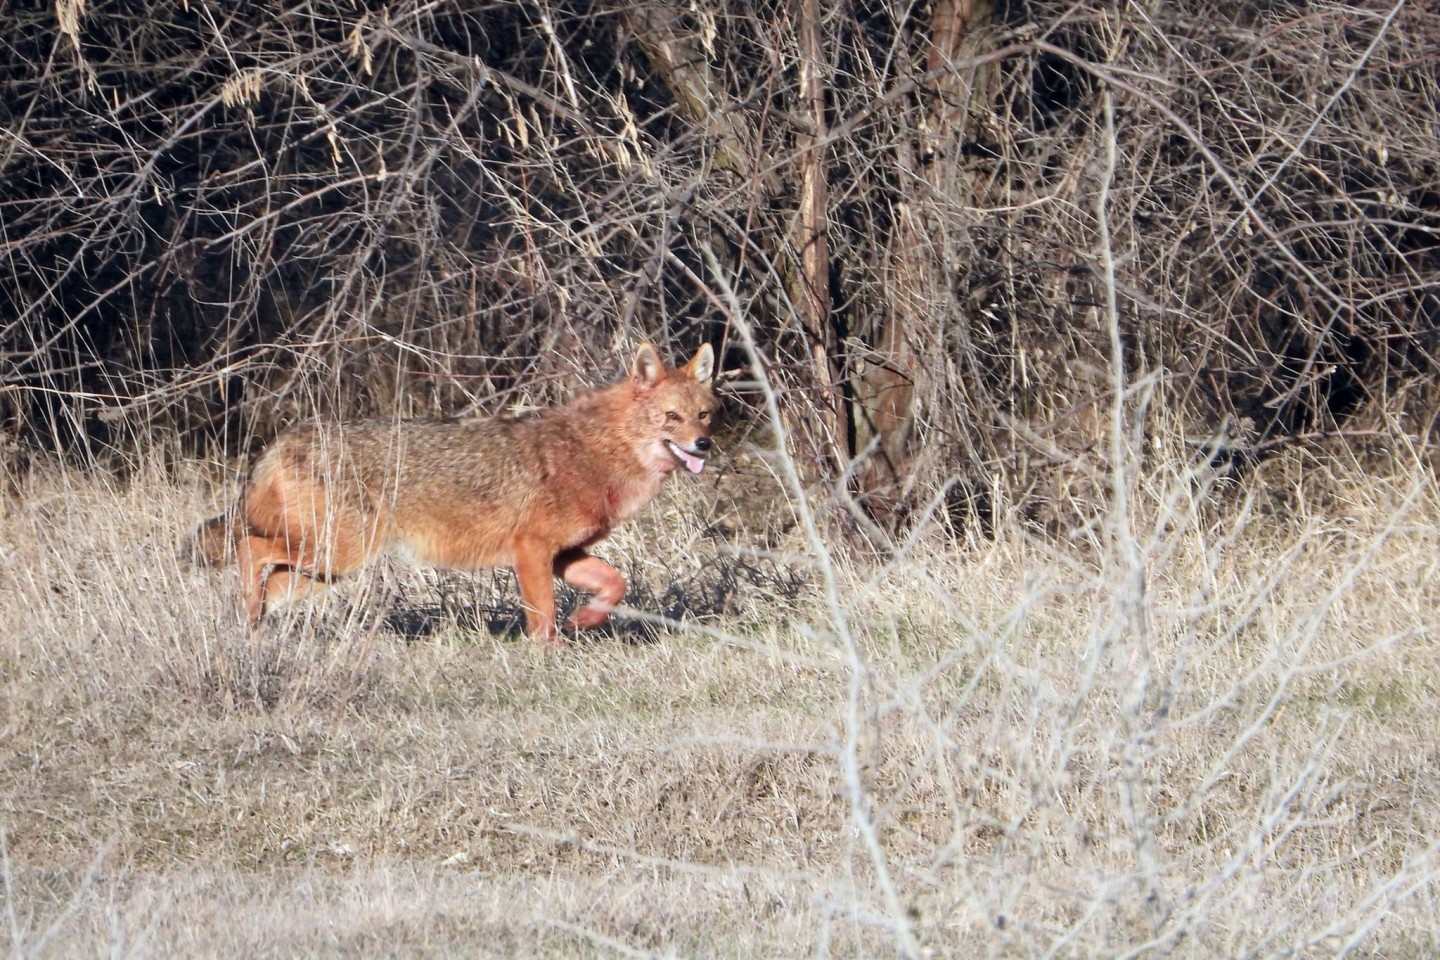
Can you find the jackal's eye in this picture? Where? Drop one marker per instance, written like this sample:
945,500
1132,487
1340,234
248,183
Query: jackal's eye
672,417
704,416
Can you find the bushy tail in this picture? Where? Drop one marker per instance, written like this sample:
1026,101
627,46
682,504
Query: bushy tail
214,541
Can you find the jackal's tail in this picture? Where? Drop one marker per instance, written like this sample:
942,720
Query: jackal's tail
213,543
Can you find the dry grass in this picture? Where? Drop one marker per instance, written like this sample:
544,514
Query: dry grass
1238,760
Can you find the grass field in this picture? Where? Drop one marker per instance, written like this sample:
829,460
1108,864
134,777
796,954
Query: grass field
1205,728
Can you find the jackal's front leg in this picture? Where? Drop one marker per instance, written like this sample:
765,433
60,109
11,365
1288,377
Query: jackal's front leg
533,564
595,576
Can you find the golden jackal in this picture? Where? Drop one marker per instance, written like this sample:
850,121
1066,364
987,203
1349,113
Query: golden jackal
530,492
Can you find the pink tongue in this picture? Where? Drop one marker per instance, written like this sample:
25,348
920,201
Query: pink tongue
692,463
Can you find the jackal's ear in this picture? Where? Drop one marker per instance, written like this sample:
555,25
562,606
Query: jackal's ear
702,365
648,369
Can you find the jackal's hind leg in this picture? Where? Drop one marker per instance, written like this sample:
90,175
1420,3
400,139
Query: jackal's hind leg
268,576
287,583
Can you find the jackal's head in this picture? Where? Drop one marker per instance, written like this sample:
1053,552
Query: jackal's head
675,409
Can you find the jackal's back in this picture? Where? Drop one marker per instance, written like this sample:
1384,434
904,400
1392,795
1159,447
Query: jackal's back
450,492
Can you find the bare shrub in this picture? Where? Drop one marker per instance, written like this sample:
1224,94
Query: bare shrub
227,223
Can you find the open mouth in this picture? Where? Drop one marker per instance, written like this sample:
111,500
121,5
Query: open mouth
692,462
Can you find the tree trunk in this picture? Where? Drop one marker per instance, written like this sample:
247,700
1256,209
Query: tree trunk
672,48
906,328
810,291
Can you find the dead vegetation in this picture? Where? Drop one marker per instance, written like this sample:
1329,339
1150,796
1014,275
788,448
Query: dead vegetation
342,209
990,751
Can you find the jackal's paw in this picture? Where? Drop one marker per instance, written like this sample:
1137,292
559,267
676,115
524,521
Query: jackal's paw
589,616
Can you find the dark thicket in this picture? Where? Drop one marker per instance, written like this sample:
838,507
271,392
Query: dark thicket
219,218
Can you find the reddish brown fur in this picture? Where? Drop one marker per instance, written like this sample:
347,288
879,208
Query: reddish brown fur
533,492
